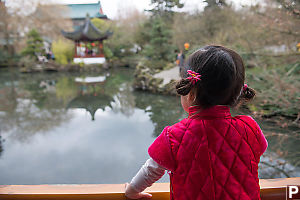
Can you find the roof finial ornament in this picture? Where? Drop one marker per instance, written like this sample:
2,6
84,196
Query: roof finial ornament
87,16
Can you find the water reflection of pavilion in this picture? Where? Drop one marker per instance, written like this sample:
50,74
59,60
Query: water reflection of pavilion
84,84
91,103
91,100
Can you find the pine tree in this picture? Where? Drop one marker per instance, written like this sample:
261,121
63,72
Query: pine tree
165,7
213,4
35,46
159,46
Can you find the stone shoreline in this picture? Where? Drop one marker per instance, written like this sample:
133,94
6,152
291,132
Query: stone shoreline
53,67
157,82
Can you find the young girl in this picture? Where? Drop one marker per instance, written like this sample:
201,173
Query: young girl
210,154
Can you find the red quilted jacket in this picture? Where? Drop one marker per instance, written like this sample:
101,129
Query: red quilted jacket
211,155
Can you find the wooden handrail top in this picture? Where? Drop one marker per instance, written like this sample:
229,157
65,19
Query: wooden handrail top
270,189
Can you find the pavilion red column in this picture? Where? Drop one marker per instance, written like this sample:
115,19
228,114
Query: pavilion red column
100,49
86,49
76,45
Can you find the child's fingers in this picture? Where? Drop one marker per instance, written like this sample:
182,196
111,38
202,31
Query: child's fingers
145,195
130,193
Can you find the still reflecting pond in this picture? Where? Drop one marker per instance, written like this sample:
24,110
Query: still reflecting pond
93,128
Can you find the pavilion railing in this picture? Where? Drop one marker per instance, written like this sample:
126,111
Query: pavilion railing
271,189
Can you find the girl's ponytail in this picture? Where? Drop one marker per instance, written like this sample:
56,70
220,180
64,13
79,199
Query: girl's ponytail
248,93
183,87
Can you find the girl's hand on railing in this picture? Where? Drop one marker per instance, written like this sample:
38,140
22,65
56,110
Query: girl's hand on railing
132,194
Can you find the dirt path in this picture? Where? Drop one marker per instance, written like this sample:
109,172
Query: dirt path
168,75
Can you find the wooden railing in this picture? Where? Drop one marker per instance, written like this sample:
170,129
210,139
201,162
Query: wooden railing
271,189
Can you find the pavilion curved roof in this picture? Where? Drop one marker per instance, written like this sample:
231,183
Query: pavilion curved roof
87,33
79,11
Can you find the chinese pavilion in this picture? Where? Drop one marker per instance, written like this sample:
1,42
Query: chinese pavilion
88,43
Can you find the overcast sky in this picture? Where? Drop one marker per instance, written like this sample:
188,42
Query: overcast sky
111,7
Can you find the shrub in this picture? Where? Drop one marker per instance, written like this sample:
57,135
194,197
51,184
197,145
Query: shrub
34,44
63,51
4,57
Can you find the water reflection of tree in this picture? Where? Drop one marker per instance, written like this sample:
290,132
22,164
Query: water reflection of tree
124,101
163,110
119,86
27,107
283,156
66,89
1,145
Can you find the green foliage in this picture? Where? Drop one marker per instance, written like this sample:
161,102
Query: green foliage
142,36
291,6
159,47
27,62
278,90
102,25
63,51
154,36
163,8
212,4
4,57
66,89
115,46
107,53
34,45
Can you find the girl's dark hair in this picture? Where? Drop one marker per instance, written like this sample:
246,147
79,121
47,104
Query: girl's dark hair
222,77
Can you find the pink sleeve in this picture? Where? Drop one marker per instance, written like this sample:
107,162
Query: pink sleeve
160,151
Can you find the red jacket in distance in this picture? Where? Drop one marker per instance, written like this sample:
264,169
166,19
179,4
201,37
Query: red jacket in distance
211,155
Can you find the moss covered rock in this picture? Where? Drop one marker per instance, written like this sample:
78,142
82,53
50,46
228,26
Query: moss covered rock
144,79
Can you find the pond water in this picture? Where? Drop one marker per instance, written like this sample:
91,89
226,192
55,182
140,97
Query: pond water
69,128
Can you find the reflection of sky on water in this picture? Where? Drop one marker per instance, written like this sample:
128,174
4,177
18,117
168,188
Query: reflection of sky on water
105,152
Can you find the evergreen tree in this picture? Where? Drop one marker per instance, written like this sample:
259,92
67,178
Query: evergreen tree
156,39
35,46
213,4
291,6
159,46
164,8
161,6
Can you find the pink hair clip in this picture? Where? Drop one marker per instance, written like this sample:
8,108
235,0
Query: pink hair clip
194,77
245,87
